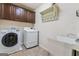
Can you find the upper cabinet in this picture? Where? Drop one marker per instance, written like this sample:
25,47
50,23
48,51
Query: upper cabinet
1,11
7,11
30,16
18,13
15,13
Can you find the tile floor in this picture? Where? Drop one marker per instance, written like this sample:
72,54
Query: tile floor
36,51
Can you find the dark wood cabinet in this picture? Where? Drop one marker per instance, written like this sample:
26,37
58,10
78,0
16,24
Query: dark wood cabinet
12,16
7,11
33,17
18,14
24,15
15,13
30,17
1,11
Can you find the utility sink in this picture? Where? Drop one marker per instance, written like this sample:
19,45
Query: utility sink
77,40
68,39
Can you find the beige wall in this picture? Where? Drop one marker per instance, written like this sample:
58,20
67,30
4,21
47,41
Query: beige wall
67,23
8,23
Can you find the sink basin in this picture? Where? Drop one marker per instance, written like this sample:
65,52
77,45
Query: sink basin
77,40
69,40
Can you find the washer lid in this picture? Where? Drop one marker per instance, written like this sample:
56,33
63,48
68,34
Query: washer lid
30,30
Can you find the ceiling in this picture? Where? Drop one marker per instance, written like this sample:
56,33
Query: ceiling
32,5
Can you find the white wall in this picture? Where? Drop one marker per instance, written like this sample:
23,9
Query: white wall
8,23
67,23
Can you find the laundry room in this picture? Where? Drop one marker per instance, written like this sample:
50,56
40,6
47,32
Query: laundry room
39,29
15,19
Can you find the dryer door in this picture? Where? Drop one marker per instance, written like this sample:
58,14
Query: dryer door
10,39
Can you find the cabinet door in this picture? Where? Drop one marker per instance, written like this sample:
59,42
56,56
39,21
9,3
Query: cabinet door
7,11
18,12
30,17
12,16
1,11
33,17
23,15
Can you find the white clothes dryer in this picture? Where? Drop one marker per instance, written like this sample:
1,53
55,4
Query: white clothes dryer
10,40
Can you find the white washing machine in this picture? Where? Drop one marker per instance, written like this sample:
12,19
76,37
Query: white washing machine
10,40
31,38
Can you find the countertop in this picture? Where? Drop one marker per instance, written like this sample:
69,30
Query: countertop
70,42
